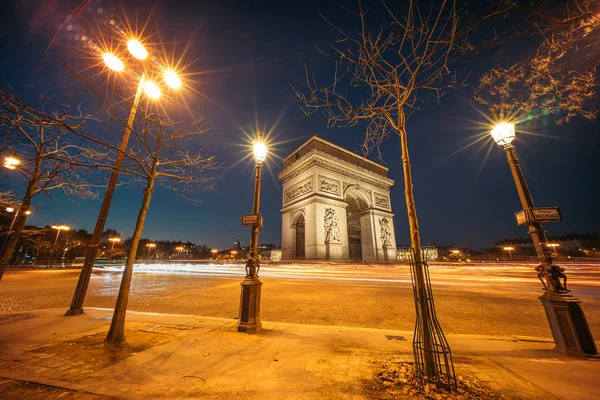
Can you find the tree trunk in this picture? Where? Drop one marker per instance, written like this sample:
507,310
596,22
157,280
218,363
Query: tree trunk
415,239
116,333
21,218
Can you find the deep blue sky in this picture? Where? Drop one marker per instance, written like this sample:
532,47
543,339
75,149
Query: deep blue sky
255,49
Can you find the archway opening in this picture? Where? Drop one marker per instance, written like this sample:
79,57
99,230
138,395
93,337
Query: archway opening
300,237
356,204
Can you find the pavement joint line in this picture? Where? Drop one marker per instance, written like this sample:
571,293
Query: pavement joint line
550,395
77,387
404,332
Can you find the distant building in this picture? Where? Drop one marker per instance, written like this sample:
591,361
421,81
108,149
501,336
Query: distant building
572,244
404,252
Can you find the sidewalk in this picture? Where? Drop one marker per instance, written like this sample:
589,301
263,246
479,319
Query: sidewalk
183,356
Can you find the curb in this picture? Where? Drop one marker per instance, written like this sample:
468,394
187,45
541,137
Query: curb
76,387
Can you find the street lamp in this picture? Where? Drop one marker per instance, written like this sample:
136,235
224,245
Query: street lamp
509,249
11,210
249,320
114,240
567,321
60,228
554,246
150,247
214,253
11,162
150,88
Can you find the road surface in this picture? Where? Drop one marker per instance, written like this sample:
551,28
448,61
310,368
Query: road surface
470,298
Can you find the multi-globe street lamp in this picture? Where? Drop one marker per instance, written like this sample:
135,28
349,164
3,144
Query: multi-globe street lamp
114,240
509,249
249,319
567,321
58,229
554,246
151,89
150,246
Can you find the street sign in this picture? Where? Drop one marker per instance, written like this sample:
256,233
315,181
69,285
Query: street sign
546,214
252,220
521,218
539,215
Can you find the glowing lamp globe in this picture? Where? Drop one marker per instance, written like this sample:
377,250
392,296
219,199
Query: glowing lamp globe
152,90
113,62
137,49
504,134
10,209
260,151
172,79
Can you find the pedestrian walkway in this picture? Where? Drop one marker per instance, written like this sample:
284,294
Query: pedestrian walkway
183,356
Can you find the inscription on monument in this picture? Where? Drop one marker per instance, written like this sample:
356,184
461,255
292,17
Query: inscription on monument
382,201
329,185
298,190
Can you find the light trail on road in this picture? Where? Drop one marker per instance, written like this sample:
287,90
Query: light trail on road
443,274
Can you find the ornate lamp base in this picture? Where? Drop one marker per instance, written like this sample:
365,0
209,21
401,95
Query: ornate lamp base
568,324
249,321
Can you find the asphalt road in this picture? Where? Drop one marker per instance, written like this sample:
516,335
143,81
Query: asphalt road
470,298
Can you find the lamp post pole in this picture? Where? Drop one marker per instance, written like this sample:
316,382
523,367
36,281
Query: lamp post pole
92,249
568,324
249,320
537,233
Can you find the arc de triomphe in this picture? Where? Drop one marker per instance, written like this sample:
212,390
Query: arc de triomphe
336,205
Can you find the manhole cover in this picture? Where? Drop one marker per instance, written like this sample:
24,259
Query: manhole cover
11,318
396,337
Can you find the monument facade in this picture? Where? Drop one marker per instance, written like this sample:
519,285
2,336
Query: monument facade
336,205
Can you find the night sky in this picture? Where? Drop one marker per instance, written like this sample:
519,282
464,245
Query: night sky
251,51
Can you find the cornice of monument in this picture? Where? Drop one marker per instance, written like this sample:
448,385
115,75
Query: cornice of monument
315,138
334,164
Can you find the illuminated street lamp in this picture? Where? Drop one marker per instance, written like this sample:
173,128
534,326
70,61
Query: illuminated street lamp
554,246
214,253
509,249
11,162
11,210
567,321
151,89
114,240
249,320
150,246
60,228
233,253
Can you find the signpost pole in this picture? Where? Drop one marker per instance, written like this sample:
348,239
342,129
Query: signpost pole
249,320
570,330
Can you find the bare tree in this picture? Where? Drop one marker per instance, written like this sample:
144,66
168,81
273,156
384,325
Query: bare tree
561,77
383,74
37,136
158,159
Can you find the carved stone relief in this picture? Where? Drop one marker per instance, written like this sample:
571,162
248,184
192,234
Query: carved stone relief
382,201
329,185
332,228
299,189
385,232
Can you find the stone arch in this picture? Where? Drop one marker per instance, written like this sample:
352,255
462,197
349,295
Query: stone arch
356,196
298,225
